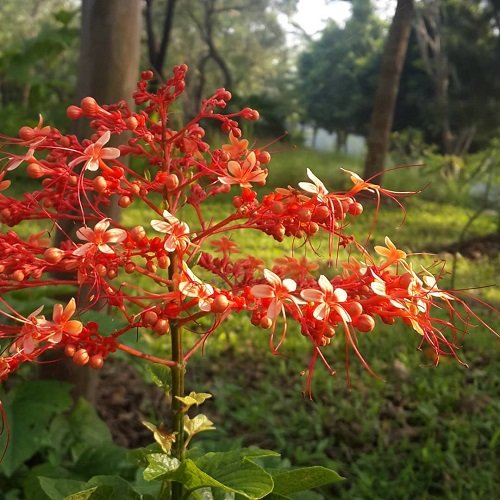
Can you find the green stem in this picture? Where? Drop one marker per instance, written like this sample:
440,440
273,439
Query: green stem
177,390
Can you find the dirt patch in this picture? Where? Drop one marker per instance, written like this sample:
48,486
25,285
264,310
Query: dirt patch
474,248
124,399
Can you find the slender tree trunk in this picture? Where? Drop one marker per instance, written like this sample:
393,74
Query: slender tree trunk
442,84
432,41
158,53
341,141
387,90
314,137
108,70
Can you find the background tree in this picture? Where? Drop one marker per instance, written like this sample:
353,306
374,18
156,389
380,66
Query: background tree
459,44
387,88
336,73
108,71
239,44
36,64
157,53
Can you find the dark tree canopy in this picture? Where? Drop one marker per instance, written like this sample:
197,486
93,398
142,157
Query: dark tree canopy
337,73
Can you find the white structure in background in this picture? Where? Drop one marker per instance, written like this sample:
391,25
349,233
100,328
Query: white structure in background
356,145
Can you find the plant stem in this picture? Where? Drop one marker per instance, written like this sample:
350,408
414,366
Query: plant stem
177,390
177,386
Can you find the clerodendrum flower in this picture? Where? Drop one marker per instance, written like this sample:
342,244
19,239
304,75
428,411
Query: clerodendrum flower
96,152
61,317
316,187
236,148
390,252
244,174
99,237
327,298
191,286
360,184
37,329
278,291
34,328
177,231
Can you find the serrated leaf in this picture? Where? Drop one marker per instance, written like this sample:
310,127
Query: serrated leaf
194,398
305,478
163,438
198,424
159,465
187,401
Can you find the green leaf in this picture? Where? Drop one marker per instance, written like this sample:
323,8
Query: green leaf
198,424
84,494
29,408
107,323
252,453
31,484
159,464
97,488
64,16
118,488
160,376
87,426
58,489
105,459
232,471
305,478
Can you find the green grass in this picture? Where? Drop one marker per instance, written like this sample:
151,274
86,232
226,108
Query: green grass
419,432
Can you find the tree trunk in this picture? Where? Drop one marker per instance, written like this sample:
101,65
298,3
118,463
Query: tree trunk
341,137
432,41
158,54
387,89
108,70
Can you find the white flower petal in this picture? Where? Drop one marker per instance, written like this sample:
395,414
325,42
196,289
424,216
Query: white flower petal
290,284
160,226
272,278
115,235
340,295
325,285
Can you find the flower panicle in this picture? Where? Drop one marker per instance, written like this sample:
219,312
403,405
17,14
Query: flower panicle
183,264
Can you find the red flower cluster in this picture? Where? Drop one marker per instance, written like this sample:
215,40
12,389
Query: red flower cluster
144,273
